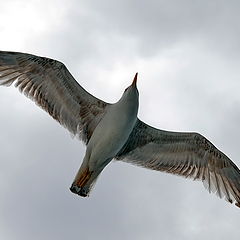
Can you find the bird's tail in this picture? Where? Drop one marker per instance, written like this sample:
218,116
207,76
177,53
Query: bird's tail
80,185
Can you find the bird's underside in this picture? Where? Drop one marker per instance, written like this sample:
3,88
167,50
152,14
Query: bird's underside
49,84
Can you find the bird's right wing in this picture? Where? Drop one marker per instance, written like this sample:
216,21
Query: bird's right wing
185,154
49,83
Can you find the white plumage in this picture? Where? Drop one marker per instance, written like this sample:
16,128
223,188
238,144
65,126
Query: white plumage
113,131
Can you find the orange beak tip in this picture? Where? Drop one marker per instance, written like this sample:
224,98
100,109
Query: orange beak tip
135,79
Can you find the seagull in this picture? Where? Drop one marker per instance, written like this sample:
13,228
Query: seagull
113,131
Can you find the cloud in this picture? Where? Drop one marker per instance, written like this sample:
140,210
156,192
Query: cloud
160,24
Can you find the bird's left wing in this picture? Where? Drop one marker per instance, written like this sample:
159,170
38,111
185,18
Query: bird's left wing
49,83
185,154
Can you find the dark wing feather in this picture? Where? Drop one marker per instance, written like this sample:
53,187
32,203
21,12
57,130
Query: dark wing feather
49,83
186,154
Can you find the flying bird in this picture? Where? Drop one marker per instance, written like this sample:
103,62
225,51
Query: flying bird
113,131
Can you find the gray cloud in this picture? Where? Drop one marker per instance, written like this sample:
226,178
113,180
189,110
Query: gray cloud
160,24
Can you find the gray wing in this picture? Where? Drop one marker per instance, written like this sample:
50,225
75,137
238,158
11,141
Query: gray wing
49,83
186,154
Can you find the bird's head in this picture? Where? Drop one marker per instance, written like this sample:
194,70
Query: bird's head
131,91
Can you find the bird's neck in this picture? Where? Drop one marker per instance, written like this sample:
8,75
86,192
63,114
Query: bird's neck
128,105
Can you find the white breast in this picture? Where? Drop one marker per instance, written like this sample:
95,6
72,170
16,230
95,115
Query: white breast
113,131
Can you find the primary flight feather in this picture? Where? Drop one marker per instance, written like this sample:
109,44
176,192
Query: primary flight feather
113,131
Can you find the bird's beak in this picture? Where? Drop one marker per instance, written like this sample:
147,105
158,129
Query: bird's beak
134,83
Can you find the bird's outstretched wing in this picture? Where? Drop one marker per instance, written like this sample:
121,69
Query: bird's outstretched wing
185,154
49,83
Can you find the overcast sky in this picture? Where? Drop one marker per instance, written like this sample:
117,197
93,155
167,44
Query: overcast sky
187,54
